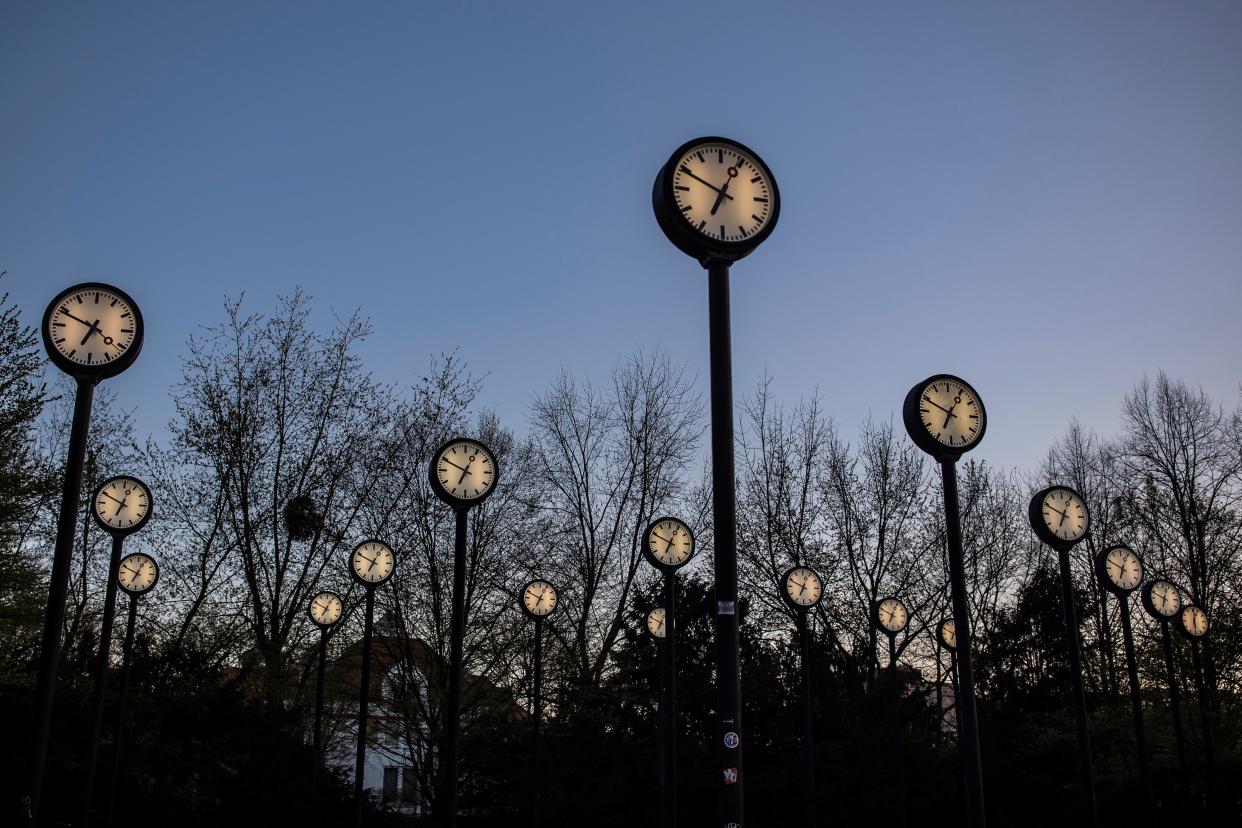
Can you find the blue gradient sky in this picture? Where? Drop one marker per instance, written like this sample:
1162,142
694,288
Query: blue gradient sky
1045,198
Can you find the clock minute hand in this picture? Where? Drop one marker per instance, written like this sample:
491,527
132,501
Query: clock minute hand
706,183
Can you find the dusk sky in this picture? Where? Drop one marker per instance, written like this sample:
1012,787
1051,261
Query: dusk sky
1045,198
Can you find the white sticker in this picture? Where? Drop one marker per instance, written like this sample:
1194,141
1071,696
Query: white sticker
725,607
731,740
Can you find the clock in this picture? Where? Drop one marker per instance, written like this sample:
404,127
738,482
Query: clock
890,615
1119,569
122,505
137,573
1162,599
655,622
325,609
715,199
803,587
1194,622
1059,516
372,563
92,331
668,543
944,416
539,598
463,472
946,634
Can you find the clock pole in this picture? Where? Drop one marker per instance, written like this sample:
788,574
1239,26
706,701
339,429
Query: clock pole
808,745
1080,695
899,752
364,699
101,676
537,704
724,517
1136,703
58,589
669,704
1175,696
122,702
1203,711
972,769
452,743
316,739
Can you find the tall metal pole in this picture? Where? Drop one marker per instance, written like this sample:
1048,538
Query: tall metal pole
364,700
939,694
1136,705
121,703
58,589
1080,695
669,705
972,768
724,512
1203,711
808,744
1175,697
899,748
538,706
101,678
317,740
451,746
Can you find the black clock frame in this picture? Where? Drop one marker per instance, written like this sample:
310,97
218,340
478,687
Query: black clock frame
461,504
1035,513
104,370
685,237
919,433
647,626
138,592
1184,630
1101,571
650,556
875,615
372,584
128,530
940,634
1150,606
316,597
522,598
789,599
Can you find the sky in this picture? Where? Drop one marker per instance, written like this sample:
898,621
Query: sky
1043,198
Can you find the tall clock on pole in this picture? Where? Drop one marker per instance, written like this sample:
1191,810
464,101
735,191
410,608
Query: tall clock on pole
716,201
803,589
91,331
371,565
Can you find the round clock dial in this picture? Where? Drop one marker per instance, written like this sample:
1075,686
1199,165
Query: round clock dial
803,587
944,415
1119,569
372,562
539,598
122,504
326,608
891,615
655,622
1162,599
946,632
463,472
137,573
722,192
92,330
670,543
1059,516
1194,621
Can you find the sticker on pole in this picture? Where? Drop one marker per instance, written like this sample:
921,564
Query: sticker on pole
730,776
731,740
726,607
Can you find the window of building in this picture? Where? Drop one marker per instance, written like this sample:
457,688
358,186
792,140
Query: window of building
390,784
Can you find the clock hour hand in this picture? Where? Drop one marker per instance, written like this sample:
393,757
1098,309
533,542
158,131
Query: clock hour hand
722,193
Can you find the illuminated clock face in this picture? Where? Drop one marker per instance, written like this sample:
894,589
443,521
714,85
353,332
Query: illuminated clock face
723,192
1194,621
325,609
1064,514
539,598
464,471
92,326
948,633
137,573
655,622
122,504
373,562
1166,599
892,615
1123,568
670,542
951,413
803,586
